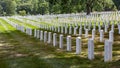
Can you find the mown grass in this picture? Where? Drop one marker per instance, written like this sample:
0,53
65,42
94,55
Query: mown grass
22,23
38,22
18,50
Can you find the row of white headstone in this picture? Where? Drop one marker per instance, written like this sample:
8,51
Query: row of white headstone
19,27
42,35
29,31
73,30
64,29
27,21
104,15
39,34
48,38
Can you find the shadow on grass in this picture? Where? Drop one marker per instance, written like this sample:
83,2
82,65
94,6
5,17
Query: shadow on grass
64,62
18,50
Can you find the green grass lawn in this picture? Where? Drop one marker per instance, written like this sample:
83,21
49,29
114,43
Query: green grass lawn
22,23
37,22
18,50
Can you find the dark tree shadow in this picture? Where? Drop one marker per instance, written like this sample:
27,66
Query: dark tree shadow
117,3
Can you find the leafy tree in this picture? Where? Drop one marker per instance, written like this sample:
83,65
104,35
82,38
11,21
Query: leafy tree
9,7
23,12
43,7
26,6
0,10
117,4
99,5
34,6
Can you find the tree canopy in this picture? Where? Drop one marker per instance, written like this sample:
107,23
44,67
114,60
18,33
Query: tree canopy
11,7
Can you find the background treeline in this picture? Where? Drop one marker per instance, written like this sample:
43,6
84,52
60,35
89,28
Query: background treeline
23,7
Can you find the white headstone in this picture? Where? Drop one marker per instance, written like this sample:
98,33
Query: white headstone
78,45
75,31
61,41
108,51
99,27
105,28
26,30
119,28
30,31
68,43
101,35
41,35
58,28
90,49
80,31
45,36
111,36
93,34
86,32
54,39
38,34
84,26
49,37
112,28
52,28
89,26
23,29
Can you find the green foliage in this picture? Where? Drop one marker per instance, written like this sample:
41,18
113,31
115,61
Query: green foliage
117,3
56,9
26,6
0,10
23,12
109,5
34,6
10,7
43,7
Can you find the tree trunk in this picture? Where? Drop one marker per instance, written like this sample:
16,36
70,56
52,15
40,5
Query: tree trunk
88,8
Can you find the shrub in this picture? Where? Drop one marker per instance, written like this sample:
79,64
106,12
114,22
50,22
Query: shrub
22,13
